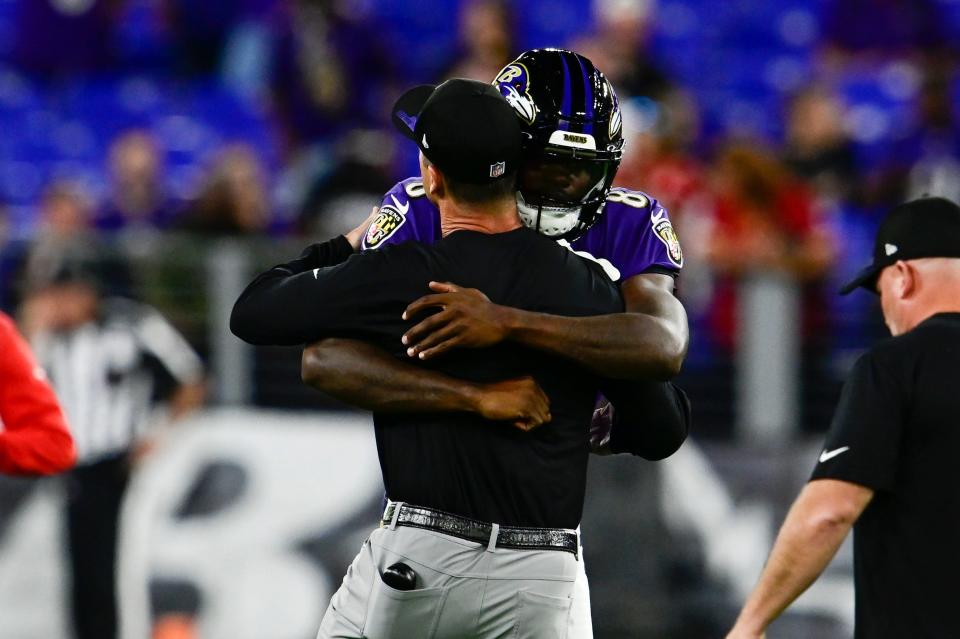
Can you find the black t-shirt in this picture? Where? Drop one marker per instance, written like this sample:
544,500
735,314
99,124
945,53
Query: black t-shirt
897,431
459,463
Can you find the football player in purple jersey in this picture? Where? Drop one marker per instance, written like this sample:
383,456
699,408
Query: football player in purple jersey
573,142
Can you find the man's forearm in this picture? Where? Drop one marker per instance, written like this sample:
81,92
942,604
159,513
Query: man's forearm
368,377
647,342
807,542
622,345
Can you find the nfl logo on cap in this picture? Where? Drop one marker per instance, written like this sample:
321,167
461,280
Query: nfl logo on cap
498,169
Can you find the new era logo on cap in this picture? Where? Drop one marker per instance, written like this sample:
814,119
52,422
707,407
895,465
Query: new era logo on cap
498,169
890,249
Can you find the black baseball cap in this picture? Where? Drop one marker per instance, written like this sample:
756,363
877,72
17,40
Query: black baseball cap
464,127
926,227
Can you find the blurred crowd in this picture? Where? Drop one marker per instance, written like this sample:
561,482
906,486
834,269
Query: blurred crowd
776,135
325,73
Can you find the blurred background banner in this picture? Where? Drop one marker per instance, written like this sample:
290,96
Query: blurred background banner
182,146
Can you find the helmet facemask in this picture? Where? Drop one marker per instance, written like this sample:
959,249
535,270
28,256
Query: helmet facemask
561,193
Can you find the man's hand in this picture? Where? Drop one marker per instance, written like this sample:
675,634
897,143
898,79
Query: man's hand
467,319
521,401
356,235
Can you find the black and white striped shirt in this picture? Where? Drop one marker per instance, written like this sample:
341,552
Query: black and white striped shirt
105,373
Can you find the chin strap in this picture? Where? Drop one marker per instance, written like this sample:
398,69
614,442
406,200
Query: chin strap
536,214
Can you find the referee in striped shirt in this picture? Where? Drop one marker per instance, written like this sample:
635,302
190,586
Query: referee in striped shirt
106,358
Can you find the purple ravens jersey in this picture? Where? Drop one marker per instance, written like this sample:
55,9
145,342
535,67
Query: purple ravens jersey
633,236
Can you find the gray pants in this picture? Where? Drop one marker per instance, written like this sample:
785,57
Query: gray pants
465,590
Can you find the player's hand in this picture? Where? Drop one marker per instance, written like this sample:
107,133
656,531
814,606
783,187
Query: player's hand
356,235
467,319
520,401
600,428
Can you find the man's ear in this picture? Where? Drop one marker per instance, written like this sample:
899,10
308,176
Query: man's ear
906,284
438,187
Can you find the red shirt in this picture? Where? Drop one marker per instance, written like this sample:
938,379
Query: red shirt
34,439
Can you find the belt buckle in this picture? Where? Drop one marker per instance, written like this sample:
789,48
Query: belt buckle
391,514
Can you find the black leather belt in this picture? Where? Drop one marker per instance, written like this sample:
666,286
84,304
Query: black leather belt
466,528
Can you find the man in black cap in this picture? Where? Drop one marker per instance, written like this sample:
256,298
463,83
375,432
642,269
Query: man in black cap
889,465
478,538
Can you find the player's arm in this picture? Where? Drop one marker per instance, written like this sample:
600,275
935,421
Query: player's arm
368,377
34,439
648,419
648,341
651,420
816,525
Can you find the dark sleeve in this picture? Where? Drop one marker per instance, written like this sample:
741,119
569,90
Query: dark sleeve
863,443
329,253
297,302
650,419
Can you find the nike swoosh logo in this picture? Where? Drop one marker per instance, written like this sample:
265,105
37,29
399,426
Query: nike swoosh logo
656,217
403,208
827,455
315,271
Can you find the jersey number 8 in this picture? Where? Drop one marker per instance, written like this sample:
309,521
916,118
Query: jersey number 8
630,198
